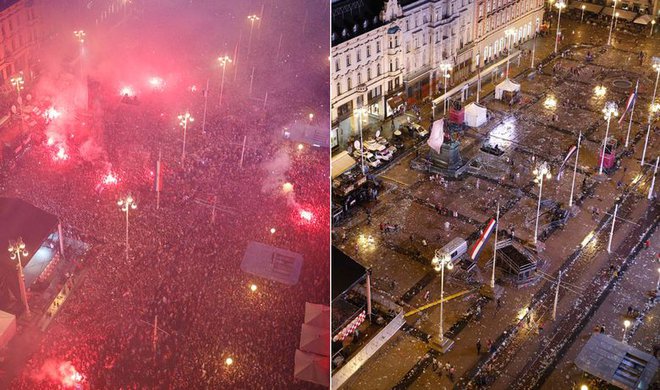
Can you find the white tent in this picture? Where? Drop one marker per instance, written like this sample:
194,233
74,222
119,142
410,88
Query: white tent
644,19
317,315
7,327
315,340
313,368
437,135
341,163
475,115
506,85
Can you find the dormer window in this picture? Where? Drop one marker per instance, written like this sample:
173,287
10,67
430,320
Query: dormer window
344,33
355,28
365,24
333,36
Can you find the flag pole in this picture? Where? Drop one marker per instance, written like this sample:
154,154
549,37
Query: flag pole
632,112
497,221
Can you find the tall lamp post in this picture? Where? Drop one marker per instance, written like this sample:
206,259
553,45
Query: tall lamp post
656,67
127,204
577,156
440,261
609,111
560,6
509,33
582,17
609,37
16,250
626,324
359,112
445,68
542,171
616,19
184,119
652,27
223,62
252,19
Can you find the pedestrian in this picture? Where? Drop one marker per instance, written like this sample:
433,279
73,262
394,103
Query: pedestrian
489,344
426,295
382,227
499,303
451,373
478,346
602,329
411,238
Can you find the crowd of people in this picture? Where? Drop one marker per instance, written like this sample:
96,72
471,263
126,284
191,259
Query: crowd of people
172,312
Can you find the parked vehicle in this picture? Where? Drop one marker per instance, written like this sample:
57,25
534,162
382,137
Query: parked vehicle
385,155
373,146
419,130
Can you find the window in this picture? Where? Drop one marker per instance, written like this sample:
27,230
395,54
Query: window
407,25
338,89
378,70
358,55
368,51
336,65
348,60
350,84
368,74
396,41
488,6
391,65
377,47
481,10
396,64
359,78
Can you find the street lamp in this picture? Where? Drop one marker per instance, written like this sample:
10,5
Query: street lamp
542,171
616,19
252,19
609,111
652,27
626,324
17,249
560,6
609,38
125,205
508,33
656,67
584,387
582,17
600,91
440,261
184,119
223,62
445,68
359,112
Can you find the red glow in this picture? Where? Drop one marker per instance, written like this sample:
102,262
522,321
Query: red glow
51,113
110,178
70,376
306,215
156,82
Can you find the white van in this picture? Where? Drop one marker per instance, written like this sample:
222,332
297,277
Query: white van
456,248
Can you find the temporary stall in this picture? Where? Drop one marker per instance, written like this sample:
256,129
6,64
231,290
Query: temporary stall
475,115
313,368
644,19
506,86
316,314
315,339
7,328
341,163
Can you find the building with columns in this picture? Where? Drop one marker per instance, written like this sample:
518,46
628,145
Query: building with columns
387,52
499,24
20,34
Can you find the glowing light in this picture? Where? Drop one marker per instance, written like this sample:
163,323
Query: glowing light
51,113
110,178
306,215
50,141
550,102
287,187
70,377
253,287
600,91
587,238
127,91
522,313
61,154
229,361
301,146
156,82
584,387
311,117
272,230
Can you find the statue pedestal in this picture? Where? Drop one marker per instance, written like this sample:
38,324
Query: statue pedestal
448,162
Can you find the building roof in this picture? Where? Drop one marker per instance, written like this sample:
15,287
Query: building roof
617,363
351,18
346,272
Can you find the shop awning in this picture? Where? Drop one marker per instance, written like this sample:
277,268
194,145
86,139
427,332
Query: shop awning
395,102
623,14
341,163
644,19
588,7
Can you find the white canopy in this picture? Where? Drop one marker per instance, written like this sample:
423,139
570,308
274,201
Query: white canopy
7,327
341,163
644,19
437,135
475,115
317,314
315,339
506,85
311,367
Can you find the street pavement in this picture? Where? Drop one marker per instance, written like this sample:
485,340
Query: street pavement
528,133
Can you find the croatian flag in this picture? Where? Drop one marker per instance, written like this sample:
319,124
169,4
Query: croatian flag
568,155
630,102
158,182
479,245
